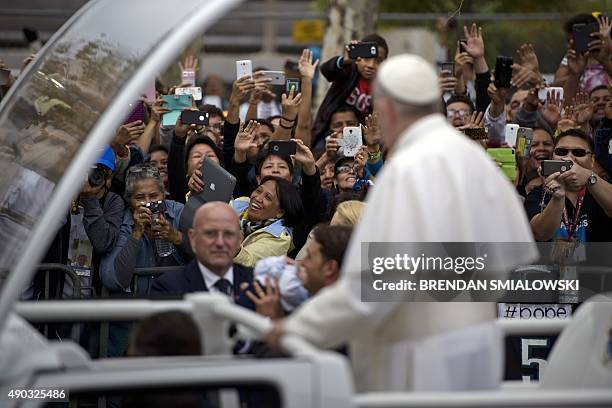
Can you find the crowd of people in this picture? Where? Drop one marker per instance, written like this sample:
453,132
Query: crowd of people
282,237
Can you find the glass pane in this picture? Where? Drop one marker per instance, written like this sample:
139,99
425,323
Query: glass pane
65,92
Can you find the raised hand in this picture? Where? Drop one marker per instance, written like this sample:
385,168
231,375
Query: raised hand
241,88
245,139
332,144
475,43
290,105
461,59
306,65
551,111
304,156
260,89
522,75
346,58
189,69
446,81
528,57
567,119
129,132
583,108
157,110
475,121
599,47
371,131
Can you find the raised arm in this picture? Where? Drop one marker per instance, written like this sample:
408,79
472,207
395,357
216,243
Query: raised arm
304,120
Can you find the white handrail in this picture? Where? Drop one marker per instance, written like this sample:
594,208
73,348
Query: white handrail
88,310
128,310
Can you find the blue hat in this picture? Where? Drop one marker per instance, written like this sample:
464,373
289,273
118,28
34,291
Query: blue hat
107,158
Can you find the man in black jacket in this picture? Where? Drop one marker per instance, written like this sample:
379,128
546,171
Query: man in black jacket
215,239
350,86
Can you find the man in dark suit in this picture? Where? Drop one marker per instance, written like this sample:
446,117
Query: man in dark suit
215,239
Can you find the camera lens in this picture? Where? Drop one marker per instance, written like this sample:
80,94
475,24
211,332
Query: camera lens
201,117
96,177
275,148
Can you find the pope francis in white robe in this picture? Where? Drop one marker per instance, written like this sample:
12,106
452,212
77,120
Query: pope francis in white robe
438,186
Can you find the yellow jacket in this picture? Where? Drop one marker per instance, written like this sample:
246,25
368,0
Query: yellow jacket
272,240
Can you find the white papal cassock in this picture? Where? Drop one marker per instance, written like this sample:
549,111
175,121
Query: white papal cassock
438,186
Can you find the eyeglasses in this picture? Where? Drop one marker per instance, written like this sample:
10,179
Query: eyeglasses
562,151
462,113
213,234
344,169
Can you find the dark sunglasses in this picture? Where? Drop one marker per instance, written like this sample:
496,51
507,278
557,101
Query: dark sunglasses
562,151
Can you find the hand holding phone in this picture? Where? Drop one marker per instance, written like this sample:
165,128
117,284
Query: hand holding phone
352,140
548,167
446,66
194,91
581,36
244,68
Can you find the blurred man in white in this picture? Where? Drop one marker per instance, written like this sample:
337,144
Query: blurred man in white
438,186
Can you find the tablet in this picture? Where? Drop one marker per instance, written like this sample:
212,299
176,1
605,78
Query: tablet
218,183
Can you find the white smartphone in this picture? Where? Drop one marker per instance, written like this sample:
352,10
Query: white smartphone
194,91
542,92
352,141
244,68
510,133
276,77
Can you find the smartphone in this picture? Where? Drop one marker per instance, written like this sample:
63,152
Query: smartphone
5,75
352,141
549,167
363,50
581,34
244,68
276,77
282,147
510,133
137,112
552,89
189,117
524,136
194,91
188,77
462,45
447,66
506,158
176,104
503,71
293,84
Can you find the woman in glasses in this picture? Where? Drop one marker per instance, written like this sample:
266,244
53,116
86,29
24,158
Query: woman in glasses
573,205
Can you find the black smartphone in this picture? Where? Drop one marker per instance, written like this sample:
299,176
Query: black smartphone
447,66
293,84
156,207
282,147
553,166
462,45
581,34
189,117
363,50
503,71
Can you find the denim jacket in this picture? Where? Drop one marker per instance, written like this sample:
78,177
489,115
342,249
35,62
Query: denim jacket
140,254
